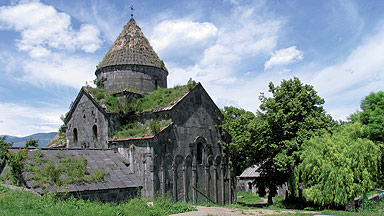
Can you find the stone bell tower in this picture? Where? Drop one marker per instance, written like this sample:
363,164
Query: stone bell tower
132,62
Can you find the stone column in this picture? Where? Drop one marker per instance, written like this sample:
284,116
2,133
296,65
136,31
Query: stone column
174,191
163,177
185,182
194,180
215,184
222,184
230,185
207,180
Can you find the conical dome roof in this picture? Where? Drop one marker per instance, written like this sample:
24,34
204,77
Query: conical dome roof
131,47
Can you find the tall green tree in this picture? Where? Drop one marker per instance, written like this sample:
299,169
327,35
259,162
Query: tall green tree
239,124
372,116
338,167
292,115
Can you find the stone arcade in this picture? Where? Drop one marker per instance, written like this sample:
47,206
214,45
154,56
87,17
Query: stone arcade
186,153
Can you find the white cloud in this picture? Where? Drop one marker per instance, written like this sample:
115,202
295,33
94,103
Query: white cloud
59,69
181,40
171,33
284,57
50,41
44,29
21,120
345,84
243,35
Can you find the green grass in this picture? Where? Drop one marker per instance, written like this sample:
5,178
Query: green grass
248,198
155,99
139,130
17,202
69,170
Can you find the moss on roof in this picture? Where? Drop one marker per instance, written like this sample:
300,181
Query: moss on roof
159,98
131,47
140,130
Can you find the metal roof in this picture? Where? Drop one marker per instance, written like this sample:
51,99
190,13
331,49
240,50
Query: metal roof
250,172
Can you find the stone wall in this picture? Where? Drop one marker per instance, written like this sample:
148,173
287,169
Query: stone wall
139,157
88,126
115,195
188,153
144,78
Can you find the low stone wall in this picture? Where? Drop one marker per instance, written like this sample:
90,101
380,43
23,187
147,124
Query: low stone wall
116,195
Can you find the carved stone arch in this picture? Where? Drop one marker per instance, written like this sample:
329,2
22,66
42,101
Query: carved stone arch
188,160
200,139
200,143
218,160
178,159
210,161
168,159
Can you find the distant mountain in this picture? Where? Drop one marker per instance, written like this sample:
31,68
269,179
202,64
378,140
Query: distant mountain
43,139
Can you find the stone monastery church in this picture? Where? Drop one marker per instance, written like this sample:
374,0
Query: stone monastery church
170,139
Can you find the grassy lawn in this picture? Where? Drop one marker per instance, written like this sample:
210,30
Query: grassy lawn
17,202
248,198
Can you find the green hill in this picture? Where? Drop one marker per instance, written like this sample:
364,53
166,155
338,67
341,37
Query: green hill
43,139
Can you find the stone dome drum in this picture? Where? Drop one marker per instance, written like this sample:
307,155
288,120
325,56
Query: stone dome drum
132,62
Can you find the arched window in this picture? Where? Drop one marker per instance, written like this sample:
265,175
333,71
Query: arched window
94,130
75,138
199,153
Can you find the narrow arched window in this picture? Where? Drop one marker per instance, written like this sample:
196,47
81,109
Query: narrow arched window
94,130
75,138
199,153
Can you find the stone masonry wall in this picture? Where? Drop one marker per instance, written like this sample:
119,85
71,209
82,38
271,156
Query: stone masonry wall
191,153
144,78
88,121
116,195
139,156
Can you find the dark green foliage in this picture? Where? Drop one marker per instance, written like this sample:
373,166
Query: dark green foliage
291,116
372,116
99,83
240,125
338,167
15,161
24,203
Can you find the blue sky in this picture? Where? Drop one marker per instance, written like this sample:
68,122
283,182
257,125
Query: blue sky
49,49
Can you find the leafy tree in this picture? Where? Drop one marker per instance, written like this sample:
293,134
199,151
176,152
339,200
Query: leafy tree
372,116
338,167
15,161
239,124
291,116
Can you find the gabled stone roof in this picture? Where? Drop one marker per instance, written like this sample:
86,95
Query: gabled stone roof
131,47
118,175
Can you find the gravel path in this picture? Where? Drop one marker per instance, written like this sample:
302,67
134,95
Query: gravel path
219,211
